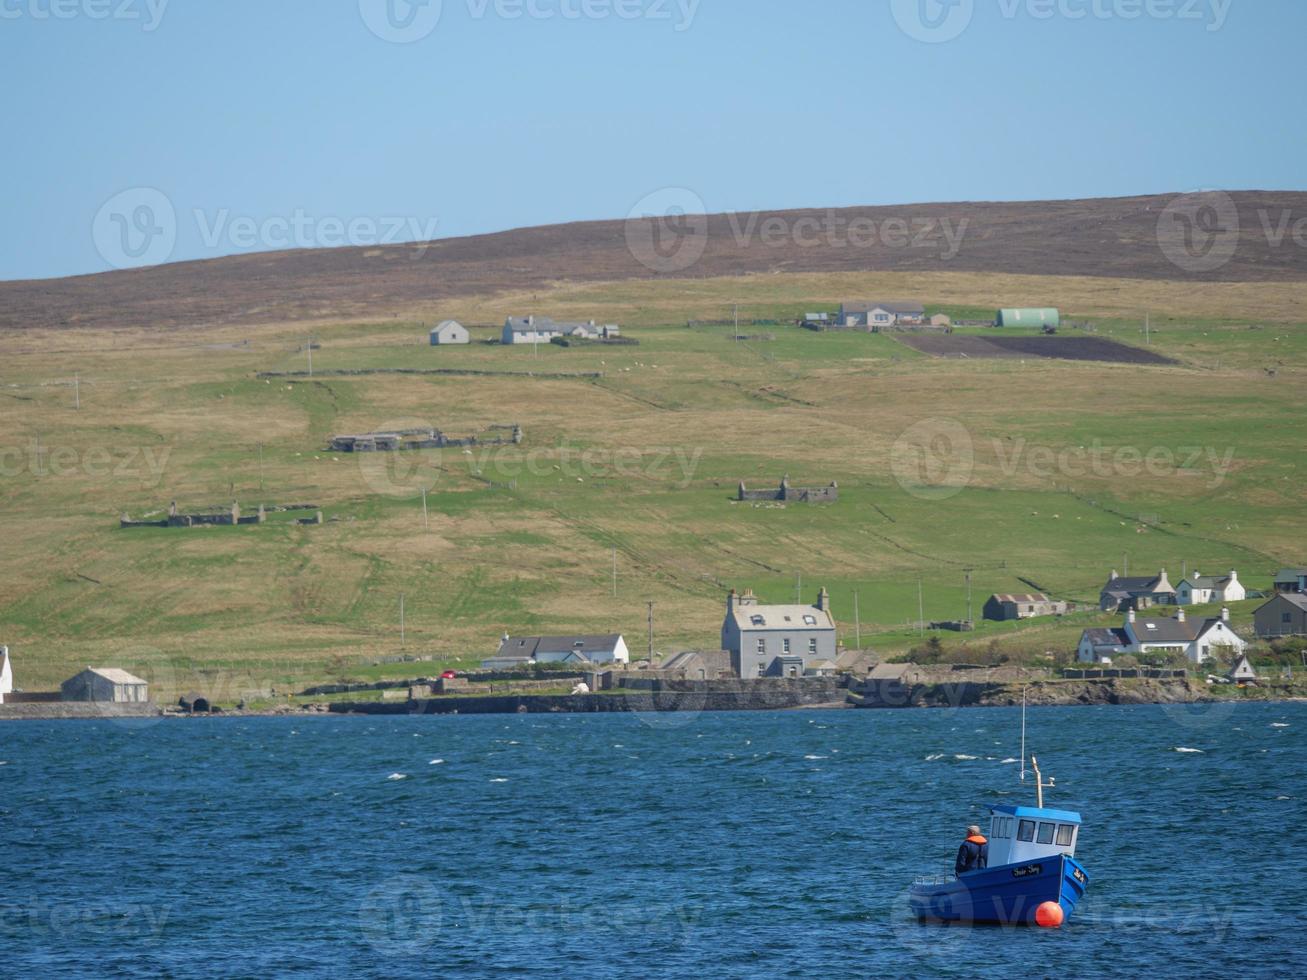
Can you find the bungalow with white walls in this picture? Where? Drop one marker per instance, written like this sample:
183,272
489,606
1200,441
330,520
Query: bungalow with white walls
1197,639
1198,590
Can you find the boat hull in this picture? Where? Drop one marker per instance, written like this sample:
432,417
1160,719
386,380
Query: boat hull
1007,895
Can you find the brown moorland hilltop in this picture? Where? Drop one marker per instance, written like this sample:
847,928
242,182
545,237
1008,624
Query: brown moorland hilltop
1109,238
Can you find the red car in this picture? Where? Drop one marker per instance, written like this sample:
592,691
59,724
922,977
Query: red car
448,675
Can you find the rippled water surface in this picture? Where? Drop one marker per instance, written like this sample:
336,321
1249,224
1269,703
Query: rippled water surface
666,846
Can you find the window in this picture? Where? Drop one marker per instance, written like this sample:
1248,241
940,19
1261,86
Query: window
1026,831
762,668
1046,831
1286,617
812,620
758,621
785,644
812,645
1065,833
762,645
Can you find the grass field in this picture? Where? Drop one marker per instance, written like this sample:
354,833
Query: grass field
1029,473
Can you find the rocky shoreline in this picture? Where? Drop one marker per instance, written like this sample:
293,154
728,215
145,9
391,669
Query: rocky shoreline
690,697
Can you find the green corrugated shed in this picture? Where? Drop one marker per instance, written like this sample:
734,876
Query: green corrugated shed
1029,317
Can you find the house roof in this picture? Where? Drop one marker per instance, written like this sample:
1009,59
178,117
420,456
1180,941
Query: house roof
1208,581
1020,597
1115,637
780,617
1166,630
114,675
1295,598
530,647
890,672
1119,584
711,660
445,325
1290,574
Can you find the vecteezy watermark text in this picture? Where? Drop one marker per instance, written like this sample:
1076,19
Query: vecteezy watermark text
667,231
936,459
149,13
140,226
939,21
146,463
1201,231
409,21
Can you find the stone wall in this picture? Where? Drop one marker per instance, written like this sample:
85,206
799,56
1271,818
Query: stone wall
786,493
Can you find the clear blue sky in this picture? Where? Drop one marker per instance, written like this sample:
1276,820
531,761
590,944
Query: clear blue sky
273,109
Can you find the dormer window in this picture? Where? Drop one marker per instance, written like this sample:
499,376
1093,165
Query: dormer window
810,620
1151,626
758,621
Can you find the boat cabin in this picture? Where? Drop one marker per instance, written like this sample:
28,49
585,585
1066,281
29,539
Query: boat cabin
1027,833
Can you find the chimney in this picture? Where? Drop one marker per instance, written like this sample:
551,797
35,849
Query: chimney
1225,615
1114,576
1234,576
1130,616
531,320
1180,617
730,600
823,600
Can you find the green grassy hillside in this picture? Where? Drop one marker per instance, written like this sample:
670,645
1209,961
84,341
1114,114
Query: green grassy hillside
1030,473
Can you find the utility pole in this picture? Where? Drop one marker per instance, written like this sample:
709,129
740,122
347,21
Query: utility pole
614,573
857,620
77,393
651,659
969,616
401,620
921,608
310,355
425,525
737,321
260,467
1148,329
1125,565
798,589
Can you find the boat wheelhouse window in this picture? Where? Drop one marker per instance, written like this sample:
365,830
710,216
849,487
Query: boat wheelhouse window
1046,831
1065,833
1026,831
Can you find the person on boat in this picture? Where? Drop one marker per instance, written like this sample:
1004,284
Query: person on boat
973,855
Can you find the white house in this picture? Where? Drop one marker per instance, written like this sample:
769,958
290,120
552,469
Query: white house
450,332
541,330
6,674
874,315
522,651
1199,589
1197,639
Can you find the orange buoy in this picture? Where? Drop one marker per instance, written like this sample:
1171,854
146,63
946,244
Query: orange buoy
1050,915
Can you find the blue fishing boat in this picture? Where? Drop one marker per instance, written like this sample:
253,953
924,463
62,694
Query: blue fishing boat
1033,877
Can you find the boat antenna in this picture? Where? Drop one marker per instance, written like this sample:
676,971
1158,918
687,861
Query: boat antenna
1022,767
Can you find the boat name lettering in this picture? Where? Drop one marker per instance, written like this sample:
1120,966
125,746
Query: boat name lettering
1027,871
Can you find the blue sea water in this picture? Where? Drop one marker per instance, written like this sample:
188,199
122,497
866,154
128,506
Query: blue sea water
720,845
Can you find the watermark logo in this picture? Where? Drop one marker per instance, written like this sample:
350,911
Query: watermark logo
933,459
402,916
401,473
221,230
667,231
401,21
933,21
1199,232
137,227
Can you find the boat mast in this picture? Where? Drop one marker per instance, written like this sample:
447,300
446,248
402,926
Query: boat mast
1040,785
1022,766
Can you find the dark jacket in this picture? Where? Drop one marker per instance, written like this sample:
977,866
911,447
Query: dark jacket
973,855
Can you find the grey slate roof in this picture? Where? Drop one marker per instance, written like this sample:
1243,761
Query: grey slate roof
1296,598
1290,574
1167,630
1107,637
530,647
1012,597
780,617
